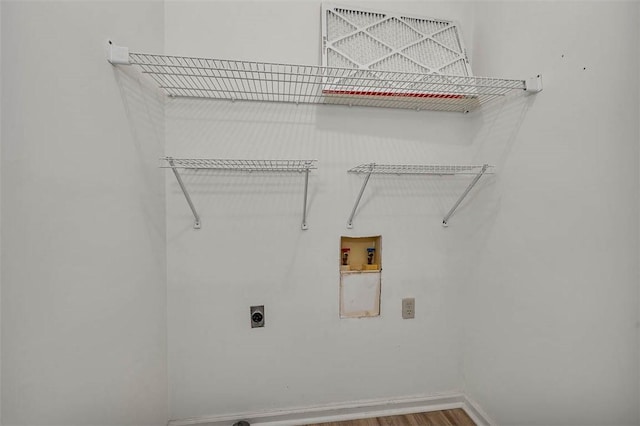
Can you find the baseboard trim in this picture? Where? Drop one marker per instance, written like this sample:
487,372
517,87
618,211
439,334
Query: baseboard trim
477,414
348,411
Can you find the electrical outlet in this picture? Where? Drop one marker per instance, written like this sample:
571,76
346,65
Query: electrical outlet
257,316
408,308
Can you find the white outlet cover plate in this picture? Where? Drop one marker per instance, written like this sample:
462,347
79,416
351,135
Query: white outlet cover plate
408,308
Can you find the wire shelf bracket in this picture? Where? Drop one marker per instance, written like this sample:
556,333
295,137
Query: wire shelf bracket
171,162
435,170
180,76
282,166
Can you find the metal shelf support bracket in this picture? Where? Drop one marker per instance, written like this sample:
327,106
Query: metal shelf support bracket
304,206
355,206
282,166
464,194
196,224
477,171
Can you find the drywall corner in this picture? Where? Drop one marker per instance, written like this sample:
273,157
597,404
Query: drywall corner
1,139
556,285
83,275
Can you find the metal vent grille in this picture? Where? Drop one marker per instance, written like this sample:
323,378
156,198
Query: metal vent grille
364,39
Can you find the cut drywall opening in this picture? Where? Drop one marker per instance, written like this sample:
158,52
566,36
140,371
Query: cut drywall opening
360,276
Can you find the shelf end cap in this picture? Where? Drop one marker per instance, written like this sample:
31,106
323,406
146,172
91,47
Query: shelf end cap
533,84
117,55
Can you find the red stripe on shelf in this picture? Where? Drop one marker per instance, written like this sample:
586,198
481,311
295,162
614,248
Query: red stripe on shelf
393,94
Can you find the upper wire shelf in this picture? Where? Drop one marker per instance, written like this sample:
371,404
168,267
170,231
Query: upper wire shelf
242,165
273,82
421,169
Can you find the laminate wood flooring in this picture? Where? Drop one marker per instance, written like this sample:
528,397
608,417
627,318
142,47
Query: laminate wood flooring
456,417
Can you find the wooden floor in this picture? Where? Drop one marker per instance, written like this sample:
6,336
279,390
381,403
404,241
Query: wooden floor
456,417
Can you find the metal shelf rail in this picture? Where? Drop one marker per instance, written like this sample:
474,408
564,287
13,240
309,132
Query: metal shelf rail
272,82
283,166
402,169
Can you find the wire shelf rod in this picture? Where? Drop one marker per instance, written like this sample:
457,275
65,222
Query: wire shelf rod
420,169
319,71
279,82
370,95
432,90
241,164
360,82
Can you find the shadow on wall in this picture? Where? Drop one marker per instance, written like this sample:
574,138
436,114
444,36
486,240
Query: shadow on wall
208,126
391,196
144,108
342,137
202,128
205,128
493,144
221,129
399,124
500,126
225,194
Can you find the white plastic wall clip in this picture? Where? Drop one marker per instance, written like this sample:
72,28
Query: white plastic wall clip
533,84
117,55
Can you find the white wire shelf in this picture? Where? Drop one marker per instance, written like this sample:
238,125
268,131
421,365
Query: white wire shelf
426,169
273,82
241,165
301,166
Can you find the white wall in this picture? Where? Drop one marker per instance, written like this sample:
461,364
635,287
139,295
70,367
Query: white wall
0,213
83,219
542,258
251,250
545,256
553,289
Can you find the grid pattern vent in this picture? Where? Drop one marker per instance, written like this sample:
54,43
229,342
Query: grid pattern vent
369,39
